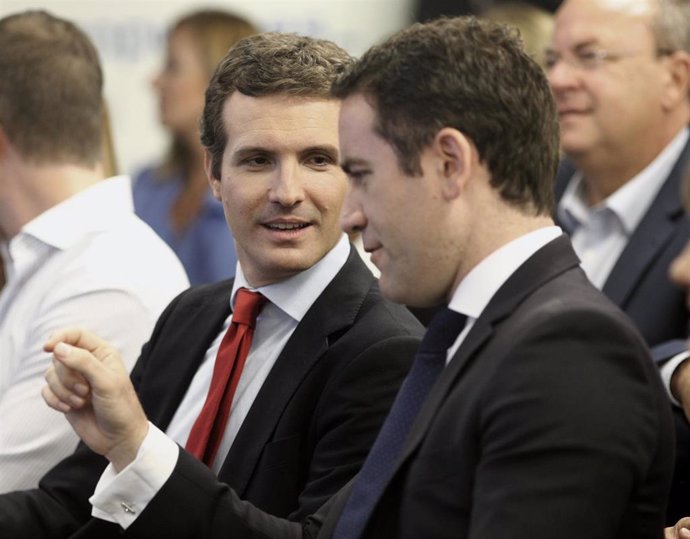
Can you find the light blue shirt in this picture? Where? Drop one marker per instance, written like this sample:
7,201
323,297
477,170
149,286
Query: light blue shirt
206,248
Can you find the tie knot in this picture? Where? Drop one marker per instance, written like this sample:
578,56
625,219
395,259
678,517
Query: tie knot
248,304
444,328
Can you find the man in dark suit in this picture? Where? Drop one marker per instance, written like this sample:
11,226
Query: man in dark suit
620,73
328,352
532,409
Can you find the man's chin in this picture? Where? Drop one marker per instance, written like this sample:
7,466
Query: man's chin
398,291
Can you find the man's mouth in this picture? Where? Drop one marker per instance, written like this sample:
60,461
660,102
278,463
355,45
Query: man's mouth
570,110
286,226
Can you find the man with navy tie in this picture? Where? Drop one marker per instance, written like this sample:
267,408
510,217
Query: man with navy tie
532,409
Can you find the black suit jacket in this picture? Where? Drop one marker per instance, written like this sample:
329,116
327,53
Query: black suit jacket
639,284
308,431
550,421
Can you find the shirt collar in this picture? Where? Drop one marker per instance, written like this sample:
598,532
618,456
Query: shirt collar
296,294
631,201
478,287
88,211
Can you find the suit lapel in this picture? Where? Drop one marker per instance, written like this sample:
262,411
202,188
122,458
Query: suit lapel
650,236
331,314
177,356
548,262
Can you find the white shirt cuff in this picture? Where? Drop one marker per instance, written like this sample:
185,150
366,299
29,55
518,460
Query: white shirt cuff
121,497
667,371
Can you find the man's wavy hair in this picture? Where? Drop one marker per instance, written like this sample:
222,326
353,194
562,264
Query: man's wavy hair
268,64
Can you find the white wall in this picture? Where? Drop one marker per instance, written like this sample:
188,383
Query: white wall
130,36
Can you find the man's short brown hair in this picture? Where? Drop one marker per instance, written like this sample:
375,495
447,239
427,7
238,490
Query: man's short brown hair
474,76
50,89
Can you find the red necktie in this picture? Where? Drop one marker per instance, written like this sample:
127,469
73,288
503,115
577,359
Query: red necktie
208,428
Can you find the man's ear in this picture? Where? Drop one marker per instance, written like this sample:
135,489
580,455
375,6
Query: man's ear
677,86
212,181
453,151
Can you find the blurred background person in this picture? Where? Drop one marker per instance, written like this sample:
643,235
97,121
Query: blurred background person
173,197
534,23
74,253
620,73
425,10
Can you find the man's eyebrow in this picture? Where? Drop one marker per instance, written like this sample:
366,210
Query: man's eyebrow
268,149
322,148
587,43
249,150
349,162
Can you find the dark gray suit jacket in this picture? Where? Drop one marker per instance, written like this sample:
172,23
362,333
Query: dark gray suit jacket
550,421
308,431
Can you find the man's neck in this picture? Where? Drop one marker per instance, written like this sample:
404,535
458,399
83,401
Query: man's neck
507,226
31,190
605,170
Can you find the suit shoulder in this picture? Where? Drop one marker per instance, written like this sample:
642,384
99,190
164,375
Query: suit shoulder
385,316
199,295
570,301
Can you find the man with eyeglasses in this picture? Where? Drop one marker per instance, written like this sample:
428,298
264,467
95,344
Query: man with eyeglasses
620,72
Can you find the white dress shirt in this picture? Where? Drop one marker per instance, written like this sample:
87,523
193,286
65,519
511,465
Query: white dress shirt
475,291
88,262
600,233
121,497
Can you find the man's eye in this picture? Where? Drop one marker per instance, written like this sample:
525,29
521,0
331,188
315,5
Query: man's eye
589,58
357,177
320,160
257,161
551,59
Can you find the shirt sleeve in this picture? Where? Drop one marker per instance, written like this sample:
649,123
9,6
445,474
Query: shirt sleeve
33,437
667,371
121,497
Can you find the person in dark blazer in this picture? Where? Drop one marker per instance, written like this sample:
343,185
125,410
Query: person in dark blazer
532,409
621,77
328,352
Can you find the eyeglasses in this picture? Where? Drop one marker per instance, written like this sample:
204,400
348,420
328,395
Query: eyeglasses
588,59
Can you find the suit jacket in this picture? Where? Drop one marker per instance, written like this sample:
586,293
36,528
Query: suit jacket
639,284
549,421
308,431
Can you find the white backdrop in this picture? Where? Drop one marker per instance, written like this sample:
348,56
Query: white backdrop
130,36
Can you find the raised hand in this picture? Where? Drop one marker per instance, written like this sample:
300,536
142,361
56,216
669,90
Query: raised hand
89,384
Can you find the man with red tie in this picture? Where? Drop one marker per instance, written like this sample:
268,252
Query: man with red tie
532,409
278,379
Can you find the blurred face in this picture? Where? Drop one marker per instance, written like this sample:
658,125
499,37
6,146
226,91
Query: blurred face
281,186
606,75
401,218
182,84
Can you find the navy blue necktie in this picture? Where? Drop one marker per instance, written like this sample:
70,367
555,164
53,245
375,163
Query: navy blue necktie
378,466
